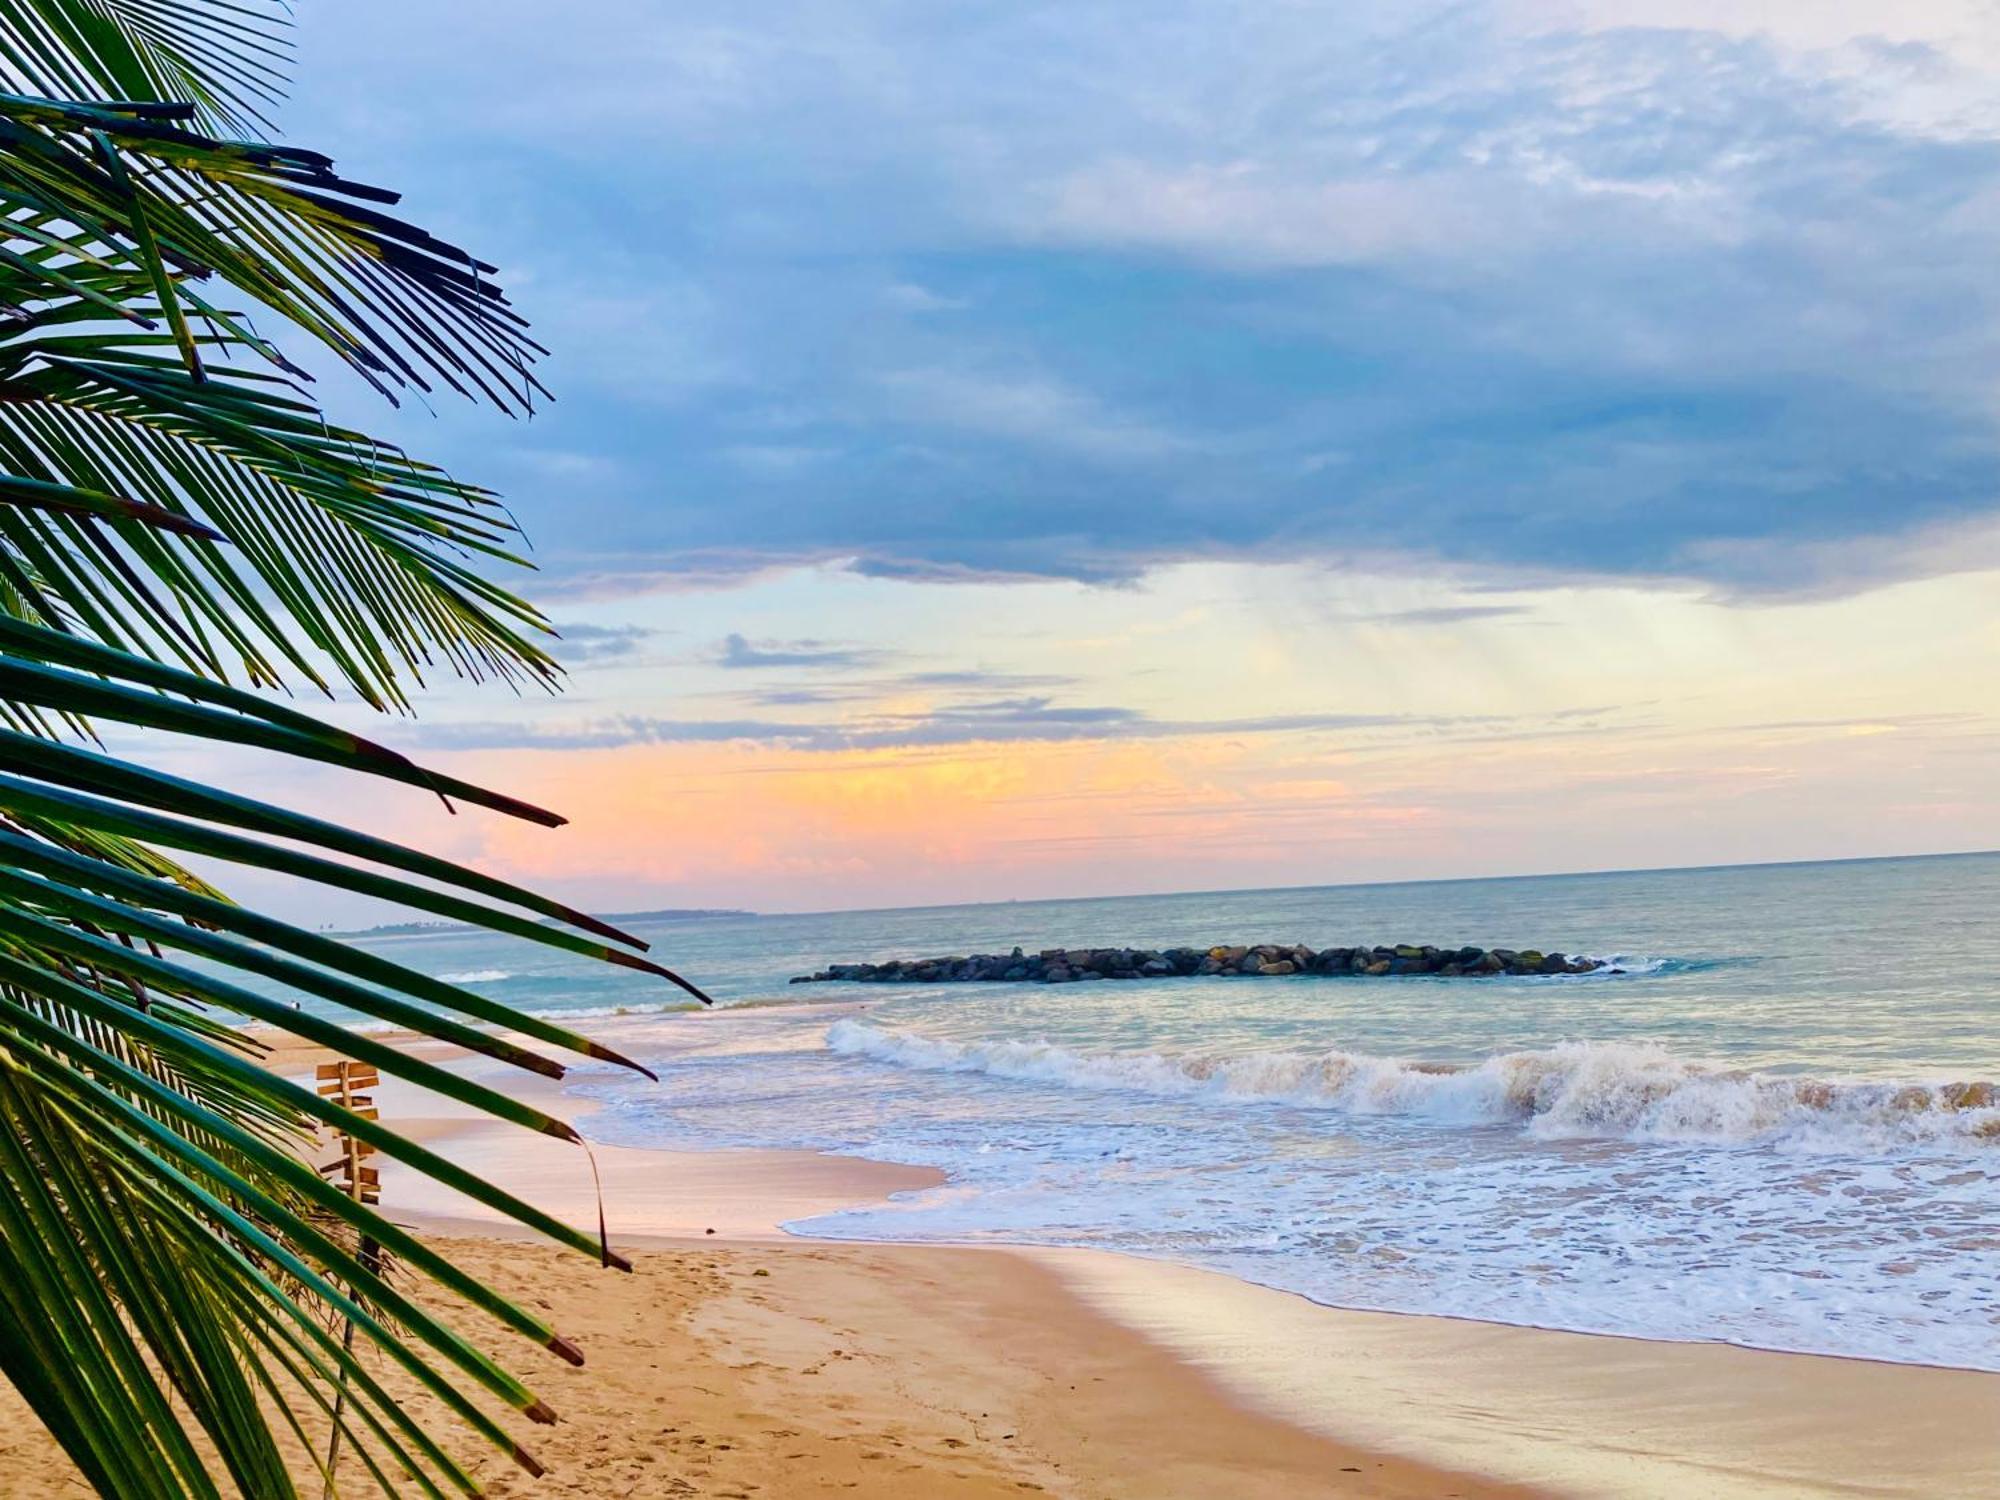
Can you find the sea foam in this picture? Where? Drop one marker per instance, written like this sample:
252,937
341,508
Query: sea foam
1611,1090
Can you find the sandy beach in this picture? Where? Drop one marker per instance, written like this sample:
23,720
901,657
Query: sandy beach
737,1361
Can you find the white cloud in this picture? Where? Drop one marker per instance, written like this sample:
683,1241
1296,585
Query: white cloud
1033,407
1249,214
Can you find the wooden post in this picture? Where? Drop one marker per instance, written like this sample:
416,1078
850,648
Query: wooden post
342,1083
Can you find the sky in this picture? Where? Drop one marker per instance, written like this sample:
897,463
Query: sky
1044,449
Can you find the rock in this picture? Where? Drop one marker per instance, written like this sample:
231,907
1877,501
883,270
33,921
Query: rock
1271,960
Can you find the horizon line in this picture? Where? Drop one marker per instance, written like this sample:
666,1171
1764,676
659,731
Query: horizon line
1362,885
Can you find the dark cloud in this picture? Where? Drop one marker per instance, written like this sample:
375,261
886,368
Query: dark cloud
584,644
806,697
738,652
1445,614
1023,720
1361,279
867,689
971,569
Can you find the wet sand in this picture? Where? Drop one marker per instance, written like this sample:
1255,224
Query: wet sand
743,1362
1578,1414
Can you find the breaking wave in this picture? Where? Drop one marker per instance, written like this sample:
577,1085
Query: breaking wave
1619,966
1604,1090
476,976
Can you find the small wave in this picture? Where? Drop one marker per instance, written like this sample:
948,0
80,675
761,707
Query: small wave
1605,1090
1620,966
476,976
373,1024
605,1012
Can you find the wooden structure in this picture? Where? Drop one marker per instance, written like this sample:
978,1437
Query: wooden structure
344,1083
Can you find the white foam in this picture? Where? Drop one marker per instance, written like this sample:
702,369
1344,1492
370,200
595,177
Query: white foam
1617,966
476,976
1614,1090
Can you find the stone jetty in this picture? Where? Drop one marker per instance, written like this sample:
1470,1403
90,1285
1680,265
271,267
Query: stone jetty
1263,961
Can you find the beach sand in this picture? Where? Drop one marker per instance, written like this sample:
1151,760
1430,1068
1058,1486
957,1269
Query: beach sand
744,1363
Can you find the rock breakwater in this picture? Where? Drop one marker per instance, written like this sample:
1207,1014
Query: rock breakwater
1262,961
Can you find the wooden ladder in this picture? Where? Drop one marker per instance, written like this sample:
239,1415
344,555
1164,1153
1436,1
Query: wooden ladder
343,1083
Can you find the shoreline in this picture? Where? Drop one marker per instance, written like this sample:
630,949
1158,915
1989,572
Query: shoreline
739,1361
1499,1408
1115,1375
1598,1414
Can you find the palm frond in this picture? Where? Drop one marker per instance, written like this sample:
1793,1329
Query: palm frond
226,62
180,526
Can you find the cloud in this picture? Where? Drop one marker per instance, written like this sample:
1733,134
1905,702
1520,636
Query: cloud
805,697
592,577
1021,568
1026,720
1028,407
869,689
978,677
737,652
585,644
1446,614
1040,291
1249,215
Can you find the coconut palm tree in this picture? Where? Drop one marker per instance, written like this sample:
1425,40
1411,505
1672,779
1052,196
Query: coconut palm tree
181,529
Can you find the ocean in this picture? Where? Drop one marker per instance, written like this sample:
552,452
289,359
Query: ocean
1757,1133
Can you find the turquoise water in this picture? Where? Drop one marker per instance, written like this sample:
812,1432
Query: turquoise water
1760,1134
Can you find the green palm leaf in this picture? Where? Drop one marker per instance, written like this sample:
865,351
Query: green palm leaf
179,527
227,61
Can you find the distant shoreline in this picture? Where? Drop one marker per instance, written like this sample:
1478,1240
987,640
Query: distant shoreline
433,929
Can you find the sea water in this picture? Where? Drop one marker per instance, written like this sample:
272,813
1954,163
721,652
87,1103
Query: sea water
1767,1130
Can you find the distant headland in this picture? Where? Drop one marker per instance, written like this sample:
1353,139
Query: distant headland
1262,960
622,918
